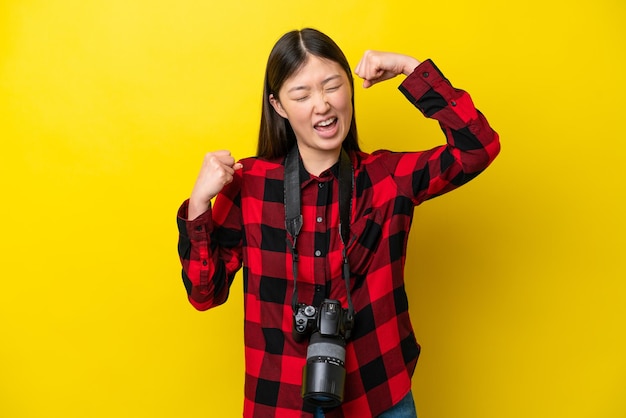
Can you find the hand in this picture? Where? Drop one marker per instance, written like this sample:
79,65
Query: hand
217,171
376,66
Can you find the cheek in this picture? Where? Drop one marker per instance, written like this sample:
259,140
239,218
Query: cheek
297,116
345,103
347,108
298,119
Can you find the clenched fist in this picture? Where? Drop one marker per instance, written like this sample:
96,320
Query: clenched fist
217,171
376,66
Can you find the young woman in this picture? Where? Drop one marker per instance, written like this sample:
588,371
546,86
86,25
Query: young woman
339,261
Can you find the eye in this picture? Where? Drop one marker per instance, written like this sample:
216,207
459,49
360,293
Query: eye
332,88
301,98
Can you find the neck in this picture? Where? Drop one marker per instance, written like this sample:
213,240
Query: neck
317,162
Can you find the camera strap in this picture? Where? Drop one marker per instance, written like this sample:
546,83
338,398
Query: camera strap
293,215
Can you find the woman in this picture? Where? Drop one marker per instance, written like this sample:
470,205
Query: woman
345,246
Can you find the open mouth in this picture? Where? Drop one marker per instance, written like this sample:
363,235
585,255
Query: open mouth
326,125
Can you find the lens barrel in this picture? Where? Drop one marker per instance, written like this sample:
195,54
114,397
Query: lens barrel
324,374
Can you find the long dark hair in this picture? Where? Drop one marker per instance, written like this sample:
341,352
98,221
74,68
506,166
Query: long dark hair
276,137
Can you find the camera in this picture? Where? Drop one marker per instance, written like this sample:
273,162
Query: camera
324,374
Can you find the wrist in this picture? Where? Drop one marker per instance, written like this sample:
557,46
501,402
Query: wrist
410,65
196,209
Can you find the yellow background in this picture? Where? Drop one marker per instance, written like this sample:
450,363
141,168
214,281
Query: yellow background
516,281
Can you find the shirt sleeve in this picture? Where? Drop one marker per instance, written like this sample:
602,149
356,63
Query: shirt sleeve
471,143
210,252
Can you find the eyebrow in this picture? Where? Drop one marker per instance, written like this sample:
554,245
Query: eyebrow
326,80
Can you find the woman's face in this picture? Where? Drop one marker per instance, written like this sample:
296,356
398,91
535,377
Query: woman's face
317,101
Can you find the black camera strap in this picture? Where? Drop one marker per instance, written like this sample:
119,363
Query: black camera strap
293,215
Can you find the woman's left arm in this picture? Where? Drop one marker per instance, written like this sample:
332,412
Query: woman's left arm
471,143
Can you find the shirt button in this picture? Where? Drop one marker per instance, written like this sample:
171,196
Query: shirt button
425,74
318,253
319,219
453,103
198,228
320,185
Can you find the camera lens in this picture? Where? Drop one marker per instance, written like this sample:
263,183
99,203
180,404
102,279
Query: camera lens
324,374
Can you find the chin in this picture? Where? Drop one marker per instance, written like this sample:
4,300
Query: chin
331,144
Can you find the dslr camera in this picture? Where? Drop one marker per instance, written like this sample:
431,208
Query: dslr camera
324,374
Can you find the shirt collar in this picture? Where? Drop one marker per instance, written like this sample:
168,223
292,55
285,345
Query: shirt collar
326,175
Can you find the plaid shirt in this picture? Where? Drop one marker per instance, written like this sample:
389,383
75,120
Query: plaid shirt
246,226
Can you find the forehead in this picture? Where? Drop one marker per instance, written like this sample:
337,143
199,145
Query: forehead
314,71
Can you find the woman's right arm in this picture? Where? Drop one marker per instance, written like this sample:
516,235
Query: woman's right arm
216,172
210,250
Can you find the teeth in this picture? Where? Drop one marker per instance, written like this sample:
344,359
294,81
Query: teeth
326,122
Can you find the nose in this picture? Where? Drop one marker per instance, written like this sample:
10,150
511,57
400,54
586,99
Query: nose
321,104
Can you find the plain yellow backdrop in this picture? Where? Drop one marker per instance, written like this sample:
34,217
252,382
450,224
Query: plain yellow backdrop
516,281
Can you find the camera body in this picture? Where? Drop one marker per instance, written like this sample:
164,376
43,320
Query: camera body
324,373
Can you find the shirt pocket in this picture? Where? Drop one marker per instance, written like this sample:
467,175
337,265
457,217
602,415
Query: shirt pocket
366,235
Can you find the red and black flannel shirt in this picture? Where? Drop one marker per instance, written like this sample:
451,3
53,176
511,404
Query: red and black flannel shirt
246,226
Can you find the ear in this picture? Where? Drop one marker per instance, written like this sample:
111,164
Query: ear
277,106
